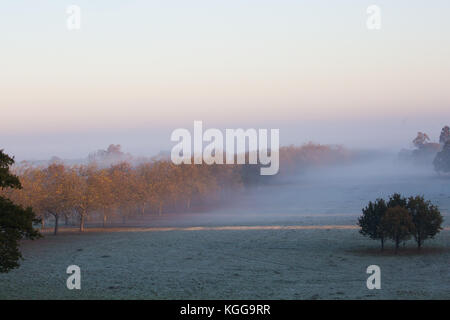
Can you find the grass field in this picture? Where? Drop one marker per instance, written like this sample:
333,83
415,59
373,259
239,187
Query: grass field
293,240
258,263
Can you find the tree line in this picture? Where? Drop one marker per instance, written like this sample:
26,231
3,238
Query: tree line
399,219
121,191
127,189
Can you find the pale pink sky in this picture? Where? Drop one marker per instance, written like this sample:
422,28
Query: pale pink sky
136,71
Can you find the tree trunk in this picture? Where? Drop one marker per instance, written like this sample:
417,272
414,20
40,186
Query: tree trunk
42,223
188,205
397,244
81,222
382,243
104,220
419,242
56,224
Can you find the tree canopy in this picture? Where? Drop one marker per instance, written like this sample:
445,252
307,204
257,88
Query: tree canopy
7,180
370,221
421,139
442,161
426,218
445,135
397,224
16,222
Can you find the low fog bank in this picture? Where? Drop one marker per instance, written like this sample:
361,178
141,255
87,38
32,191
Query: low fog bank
322,195
336,194
317,185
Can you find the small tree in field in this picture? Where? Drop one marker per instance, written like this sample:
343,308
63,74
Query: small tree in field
426,218
397,225
370,221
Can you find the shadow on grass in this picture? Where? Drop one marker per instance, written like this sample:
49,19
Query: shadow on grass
402,251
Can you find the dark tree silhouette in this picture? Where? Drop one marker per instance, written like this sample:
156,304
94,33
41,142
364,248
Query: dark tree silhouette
426,218
397,225
370,221
15,221
7,180
445,135
397,200
442,161
399,219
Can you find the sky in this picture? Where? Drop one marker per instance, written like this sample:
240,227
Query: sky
137,70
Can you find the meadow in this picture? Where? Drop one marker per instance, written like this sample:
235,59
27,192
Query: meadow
322,263
294,239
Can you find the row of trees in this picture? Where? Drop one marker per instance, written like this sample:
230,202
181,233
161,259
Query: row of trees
104,191
120,191
399,219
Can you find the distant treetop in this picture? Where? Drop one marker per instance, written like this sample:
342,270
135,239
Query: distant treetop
421,139
445,135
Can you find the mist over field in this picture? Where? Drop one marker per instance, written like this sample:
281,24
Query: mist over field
345,188
292,237
226,232
328,194
319,186
99,100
